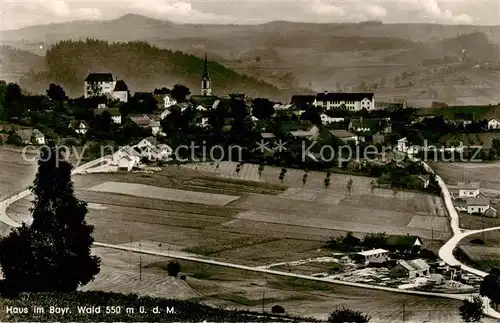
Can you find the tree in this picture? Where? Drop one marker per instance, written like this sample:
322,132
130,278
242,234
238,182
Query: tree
14,101
349,186
53,254
346,315
173,268
304,179
350,241
277,309
180,92
373,186
260,170
375,240
327,180
490,287
238,168
56,93
262,108
282,175
472,311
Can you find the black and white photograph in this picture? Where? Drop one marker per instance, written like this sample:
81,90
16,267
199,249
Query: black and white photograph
312,161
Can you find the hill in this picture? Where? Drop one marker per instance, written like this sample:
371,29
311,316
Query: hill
136,27
141,65
14,62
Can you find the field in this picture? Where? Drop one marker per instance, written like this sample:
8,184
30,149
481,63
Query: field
245,290
17,173
487,173
187,211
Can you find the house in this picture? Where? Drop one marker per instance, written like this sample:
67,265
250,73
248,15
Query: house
325,119
120,91
201,108
302,102
468,189
347,101
479,206
278,106
494,123
115,114
79,126
164,152
404,244
155,127
99,84
267,135
371,125
28,137
345,136
126,158
424,180
377,256
402,145
146,142
309,134
410,269
463,119
165,100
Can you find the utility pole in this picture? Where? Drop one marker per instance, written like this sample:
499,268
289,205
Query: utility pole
404,304
263,313
140,264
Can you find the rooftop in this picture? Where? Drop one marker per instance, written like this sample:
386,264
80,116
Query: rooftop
120,86
344,96
372,252
469,185
99,77
480,201
340,133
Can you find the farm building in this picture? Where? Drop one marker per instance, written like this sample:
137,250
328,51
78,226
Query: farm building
309,134
481,206
28,137
410,269
402,145
371,125
404,244
494,123
377,256
115,114
325,119
468,189
132,159
79,126
126,162
345,136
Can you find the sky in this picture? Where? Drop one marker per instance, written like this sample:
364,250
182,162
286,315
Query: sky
21,13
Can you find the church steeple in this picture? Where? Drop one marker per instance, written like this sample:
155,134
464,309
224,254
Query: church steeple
205,80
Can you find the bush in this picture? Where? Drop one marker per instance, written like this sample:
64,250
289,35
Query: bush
173,268
183,277
277,309
346,315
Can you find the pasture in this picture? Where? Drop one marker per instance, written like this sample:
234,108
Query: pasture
16,172
232,288
267,223
487,173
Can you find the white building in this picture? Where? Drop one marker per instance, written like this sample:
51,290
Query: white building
80,127
377,256
402,145
478,205
325,119
469,189
345,136
120,91
348,101
126,158
98,84
494,123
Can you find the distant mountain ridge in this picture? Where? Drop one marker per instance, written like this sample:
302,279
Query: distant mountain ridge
137,27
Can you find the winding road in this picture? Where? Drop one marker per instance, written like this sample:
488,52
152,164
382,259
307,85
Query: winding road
445,253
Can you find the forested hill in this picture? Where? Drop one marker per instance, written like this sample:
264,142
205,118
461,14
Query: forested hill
142,66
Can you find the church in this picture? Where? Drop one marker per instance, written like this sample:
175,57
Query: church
206,82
